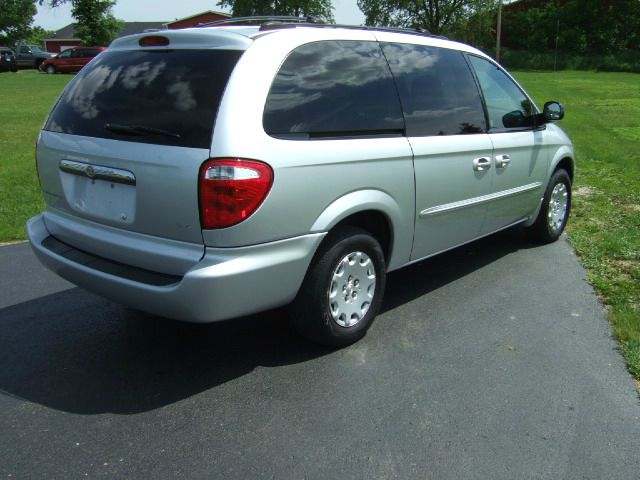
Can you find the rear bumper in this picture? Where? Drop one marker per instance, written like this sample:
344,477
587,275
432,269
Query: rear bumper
226,283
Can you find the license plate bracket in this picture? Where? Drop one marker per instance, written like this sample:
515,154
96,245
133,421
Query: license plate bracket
100,192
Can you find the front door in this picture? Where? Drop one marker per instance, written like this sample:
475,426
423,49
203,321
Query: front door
519,158
64,61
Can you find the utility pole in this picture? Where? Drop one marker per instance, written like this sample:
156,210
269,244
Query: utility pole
555,55
498,31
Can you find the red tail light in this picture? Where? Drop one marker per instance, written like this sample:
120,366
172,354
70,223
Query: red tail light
153,41
231,189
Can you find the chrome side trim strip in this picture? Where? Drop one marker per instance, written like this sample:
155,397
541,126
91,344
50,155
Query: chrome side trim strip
98,172
472,202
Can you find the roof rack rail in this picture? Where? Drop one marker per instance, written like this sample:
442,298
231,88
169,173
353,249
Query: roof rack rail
276,25
277,22
262,19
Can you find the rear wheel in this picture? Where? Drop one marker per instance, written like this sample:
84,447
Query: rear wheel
343,289
555,208
50,69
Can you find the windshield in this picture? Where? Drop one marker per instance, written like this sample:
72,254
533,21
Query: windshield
36,48
167,97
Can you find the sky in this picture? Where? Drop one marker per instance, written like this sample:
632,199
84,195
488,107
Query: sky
345,11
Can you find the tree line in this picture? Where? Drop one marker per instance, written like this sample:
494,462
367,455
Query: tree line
95,23
580,27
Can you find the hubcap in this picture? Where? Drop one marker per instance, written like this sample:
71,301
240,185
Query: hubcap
558,206
351,290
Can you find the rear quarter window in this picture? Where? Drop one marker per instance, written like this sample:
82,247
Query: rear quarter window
172,94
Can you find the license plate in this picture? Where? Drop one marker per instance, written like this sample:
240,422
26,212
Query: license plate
99,198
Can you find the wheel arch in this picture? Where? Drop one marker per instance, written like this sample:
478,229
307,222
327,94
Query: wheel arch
563,158
379,214
566,164
376,223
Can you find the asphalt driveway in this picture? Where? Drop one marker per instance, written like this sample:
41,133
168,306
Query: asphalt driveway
493,361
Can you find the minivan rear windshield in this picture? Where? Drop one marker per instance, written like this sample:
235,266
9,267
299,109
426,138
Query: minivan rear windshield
167,97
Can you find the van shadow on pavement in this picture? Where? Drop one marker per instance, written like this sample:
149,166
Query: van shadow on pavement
77,352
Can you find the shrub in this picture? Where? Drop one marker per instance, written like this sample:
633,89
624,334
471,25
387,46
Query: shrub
628,61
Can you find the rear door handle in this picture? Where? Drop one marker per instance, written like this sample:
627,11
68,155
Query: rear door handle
502,161
481,164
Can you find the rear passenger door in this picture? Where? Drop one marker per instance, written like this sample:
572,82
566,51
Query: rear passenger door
520,159
446,126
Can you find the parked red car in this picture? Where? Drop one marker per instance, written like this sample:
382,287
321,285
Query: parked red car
70,60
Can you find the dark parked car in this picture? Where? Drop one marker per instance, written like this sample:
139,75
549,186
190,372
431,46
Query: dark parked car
71,60
7,60
30,56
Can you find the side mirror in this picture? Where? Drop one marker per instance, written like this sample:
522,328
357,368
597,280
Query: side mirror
552,111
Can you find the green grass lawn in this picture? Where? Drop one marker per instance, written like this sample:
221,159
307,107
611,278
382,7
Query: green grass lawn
602,117
603,120
27,97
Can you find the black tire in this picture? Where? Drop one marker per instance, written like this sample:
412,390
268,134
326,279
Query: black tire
50,69
319,318
38,63
551,220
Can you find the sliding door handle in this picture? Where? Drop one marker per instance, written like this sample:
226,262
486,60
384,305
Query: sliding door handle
481,164
502,161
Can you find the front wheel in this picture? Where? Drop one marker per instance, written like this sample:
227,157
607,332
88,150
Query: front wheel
554,210
51,69
342,291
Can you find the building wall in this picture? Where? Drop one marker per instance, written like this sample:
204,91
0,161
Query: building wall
58,45
193,21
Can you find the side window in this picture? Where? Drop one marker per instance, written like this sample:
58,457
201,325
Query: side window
65,54
333,88
86,53
438,92
507,105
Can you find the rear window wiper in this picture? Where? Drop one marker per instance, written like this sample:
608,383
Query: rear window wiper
139,130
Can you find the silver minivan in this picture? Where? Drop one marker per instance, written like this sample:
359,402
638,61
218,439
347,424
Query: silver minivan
214,172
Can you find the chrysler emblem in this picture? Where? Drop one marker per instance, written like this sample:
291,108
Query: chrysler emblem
90,171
